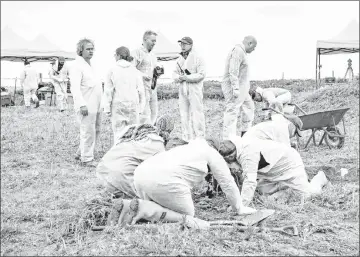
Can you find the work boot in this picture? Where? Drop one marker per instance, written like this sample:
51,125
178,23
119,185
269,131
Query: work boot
129,212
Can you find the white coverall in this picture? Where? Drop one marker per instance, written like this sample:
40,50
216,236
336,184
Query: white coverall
275,98
235,81
87,91
191,95
124,96
145,62
167,178
116,168
30,81
59,80
285,169
276,130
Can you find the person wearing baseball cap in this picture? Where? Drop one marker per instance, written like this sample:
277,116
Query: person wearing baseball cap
189,75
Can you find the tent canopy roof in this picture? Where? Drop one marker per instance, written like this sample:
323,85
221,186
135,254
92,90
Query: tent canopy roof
347,41
164,49
17,49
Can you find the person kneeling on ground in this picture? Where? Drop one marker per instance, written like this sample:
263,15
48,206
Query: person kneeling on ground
276,167
134,145
164,182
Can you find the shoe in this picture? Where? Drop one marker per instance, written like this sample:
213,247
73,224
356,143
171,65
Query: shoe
77,157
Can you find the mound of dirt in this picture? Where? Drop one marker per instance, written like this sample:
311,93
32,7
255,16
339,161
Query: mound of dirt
331,97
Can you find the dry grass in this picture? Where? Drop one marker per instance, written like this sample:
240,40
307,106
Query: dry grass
48,200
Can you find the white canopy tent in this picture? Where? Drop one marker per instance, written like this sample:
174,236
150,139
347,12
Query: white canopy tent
16,49
347,41
164,49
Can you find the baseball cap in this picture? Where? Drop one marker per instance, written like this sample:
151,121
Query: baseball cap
186,40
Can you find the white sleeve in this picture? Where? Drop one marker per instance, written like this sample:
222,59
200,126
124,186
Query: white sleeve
222,174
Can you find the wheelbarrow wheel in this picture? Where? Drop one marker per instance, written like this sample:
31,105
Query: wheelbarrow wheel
334,141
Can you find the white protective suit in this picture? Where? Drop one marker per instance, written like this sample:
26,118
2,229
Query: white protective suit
124,96
285,169
87,91
59,80
168,177
116,168
275,98
191,95
145,62
235,81
276,130
30,81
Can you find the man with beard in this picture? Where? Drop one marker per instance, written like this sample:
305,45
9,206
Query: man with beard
145,61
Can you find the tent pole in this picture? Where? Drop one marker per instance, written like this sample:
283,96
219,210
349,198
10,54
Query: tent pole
319,69
316,69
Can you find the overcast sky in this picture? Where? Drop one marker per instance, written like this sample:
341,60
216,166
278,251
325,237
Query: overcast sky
286,31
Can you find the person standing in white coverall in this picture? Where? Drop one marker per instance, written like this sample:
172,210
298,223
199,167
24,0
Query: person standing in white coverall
135,144
275,165
29,81
235,87
145,61
189,75
124,97
59,80
87,93
276,98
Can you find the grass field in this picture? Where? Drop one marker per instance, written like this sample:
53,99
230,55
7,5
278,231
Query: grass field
44,191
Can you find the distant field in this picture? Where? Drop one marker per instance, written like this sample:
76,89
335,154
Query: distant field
44,191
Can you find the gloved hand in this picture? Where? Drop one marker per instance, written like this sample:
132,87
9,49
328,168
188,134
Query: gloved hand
84,110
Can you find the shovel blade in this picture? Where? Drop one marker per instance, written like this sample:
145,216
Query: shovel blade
256,217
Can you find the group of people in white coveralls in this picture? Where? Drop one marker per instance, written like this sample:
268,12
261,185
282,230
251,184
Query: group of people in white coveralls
158,171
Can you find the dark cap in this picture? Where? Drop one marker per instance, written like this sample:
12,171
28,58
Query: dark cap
186,40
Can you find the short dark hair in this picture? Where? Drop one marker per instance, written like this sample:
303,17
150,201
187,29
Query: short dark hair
26,62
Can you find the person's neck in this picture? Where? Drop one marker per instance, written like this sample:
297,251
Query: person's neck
185,54
146,48
87,60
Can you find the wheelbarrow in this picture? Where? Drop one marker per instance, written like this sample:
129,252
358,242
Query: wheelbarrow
326,121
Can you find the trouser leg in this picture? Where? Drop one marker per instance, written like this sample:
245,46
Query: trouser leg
184,114
197,110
